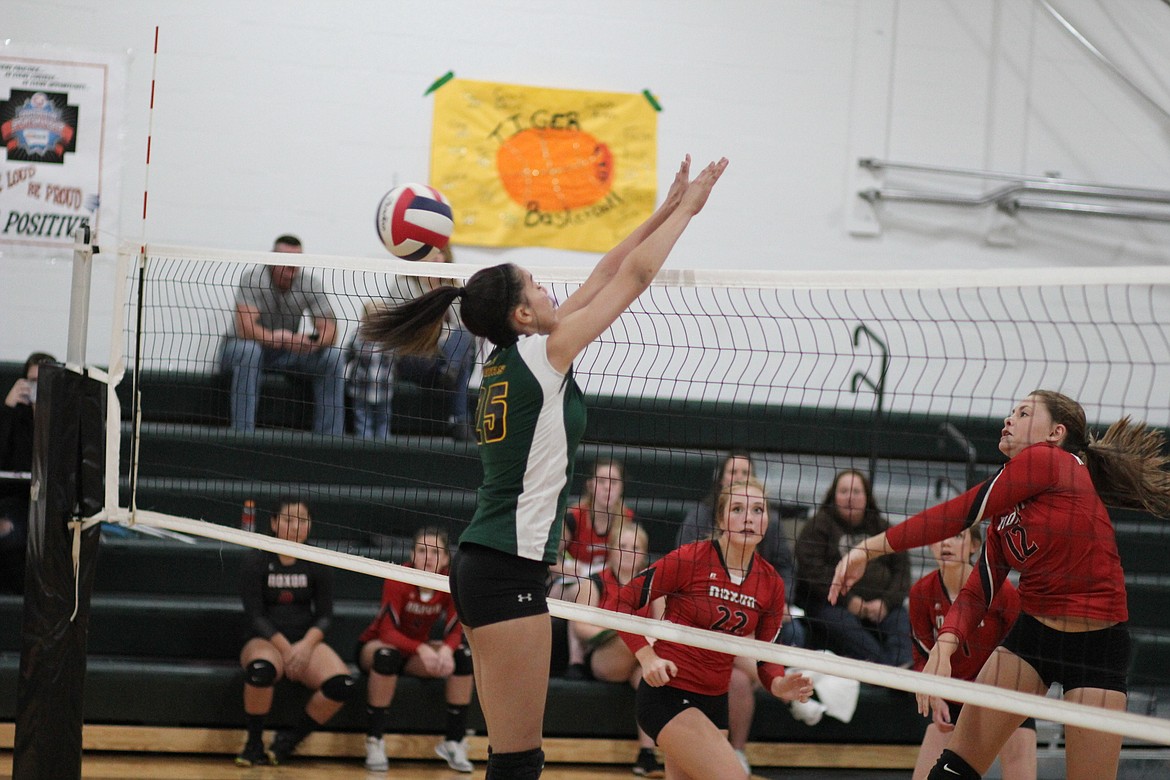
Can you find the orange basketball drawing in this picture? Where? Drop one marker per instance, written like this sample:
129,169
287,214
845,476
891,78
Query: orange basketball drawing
553,169
538,166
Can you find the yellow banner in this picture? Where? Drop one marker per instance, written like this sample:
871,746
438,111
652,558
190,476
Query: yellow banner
531,166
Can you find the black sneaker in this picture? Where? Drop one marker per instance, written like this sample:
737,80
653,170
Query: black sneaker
647,764
283,745
254,754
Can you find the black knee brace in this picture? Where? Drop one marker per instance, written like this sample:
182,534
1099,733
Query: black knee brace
525,765
260,674
951,766
339,687
388,661
463,665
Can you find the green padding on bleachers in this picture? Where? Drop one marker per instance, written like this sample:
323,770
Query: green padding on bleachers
1150,658
168,568
364,514
132,691
1143,541
179,628
1149,595
198,452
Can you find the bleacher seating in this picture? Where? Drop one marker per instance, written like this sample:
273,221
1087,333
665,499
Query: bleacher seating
166,623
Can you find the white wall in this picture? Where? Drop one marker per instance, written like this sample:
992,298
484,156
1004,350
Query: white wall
276,117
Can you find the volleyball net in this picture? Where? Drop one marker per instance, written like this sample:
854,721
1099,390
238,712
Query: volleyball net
904,376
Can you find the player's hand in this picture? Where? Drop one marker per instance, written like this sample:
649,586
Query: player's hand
682,180
937,663
658,671
941,715
875,610
695,196
793,686
298,659
849,570
21,393
446,661
430,659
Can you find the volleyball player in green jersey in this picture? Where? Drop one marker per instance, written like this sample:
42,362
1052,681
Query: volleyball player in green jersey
530,418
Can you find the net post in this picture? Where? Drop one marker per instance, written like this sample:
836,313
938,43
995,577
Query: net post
79,299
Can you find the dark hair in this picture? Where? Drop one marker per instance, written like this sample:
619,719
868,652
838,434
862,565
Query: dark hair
287,239
1127,464
712,497
873,514
598,465
489,297
36,359
435,531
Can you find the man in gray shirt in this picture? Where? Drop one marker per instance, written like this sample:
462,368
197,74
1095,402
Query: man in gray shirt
271,302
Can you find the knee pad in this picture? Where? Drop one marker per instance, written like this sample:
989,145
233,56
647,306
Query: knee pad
260,674
463,665
388,661
339,687
525,765
951,766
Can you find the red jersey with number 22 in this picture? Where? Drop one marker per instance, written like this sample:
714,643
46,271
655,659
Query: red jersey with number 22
700,592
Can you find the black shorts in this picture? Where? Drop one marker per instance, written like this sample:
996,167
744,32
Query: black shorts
957,706
490,586
1075,659
657,706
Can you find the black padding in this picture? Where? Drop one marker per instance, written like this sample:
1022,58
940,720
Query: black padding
260,673
388,661
463,665
339,687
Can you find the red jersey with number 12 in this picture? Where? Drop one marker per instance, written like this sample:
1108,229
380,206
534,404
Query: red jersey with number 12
1046,521
700,592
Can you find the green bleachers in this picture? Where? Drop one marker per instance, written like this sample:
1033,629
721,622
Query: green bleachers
166,622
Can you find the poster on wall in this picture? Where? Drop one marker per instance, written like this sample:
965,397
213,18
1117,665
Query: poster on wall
60,164
534,166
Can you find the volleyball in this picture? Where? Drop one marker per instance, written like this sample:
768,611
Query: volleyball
414,219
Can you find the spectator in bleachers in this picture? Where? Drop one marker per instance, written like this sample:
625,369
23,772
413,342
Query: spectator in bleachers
870,622
289,608
16,449
370,382
399,641
267,335
699,523
608,659
448,370
585,541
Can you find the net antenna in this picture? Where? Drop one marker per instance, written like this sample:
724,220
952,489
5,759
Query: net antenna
741,352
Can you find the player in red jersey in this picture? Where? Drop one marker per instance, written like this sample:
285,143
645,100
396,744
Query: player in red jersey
1048,521
585,543
608,659
930,600
722,585
399,641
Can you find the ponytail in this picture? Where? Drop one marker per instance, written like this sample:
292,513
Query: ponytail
413,327
1128,467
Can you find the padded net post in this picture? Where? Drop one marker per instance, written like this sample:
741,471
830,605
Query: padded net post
68,462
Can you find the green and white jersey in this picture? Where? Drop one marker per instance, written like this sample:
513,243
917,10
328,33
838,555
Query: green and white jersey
529,422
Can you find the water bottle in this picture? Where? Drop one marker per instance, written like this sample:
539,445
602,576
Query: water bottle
248,518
